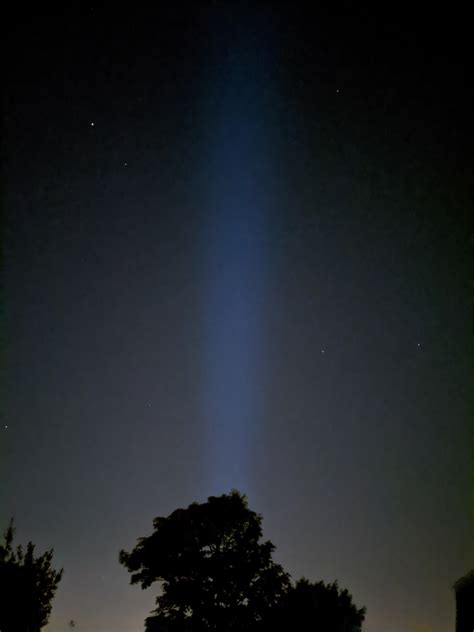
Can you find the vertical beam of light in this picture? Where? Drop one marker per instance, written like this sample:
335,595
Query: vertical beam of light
235,255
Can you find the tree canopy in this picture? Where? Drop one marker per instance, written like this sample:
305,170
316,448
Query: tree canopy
310,607
216,574
27,586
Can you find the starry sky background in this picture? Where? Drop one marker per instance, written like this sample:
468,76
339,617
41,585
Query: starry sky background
236,254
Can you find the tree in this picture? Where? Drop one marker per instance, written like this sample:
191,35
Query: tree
215,573
27,586
308,607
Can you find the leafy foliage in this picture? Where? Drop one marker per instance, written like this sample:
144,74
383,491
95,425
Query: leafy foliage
215,572
217,575
309,607
27,586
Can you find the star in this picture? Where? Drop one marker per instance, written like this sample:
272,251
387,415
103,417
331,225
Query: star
125,164
6,427
323,350
92,123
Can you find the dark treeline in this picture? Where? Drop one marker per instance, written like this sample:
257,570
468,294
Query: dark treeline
214,570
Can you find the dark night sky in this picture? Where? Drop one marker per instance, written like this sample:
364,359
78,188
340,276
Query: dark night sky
237,255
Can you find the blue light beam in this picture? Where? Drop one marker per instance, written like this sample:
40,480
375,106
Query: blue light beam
236,258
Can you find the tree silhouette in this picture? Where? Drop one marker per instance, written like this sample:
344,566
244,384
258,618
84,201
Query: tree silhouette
308,607
27,586
215,573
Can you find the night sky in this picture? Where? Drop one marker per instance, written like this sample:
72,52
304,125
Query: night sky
237,255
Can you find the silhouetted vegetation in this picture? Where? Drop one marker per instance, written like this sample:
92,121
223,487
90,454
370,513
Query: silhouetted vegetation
217,575
308,607
27,586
